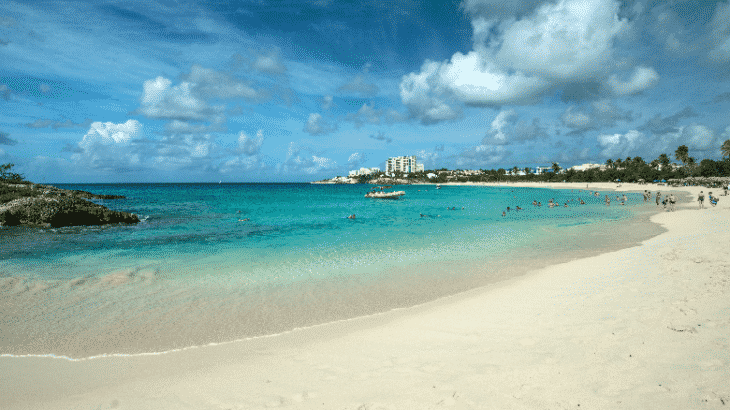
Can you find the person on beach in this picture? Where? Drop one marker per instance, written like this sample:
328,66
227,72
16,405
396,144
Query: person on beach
713,199
624,198
701,199
608,201
672,201
658,197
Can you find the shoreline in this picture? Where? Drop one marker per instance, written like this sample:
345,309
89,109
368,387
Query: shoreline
514,344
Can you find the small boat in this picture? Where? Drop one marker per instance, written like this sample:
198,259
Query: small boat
385,195
438,186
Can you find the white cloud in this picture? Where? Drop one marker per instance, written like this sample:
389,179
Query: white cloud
505,129
569,44
249,145
305,164
108,146
642,79
161,101
359,85
316,125
620,145
356,160
189,100
699,137
499,8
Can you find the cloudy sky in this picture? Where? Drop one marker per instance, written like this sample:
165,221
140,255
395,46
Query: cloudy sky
297,90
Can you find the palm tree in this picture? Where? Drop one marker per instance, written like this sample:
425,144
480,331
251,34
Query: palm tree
725,148
655,163
617,163
682,154
515,170
556,167
609,163
664,160
527,170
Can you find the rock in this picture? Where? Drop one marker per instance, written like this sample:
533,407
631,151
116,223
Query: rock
53,207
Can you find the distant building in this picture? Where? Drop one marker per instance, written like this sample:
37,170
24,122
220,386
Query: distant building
364,171
541,170
402,164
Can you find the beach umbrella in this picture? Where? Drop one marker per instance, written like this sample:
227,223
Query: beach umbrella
664,180
656,180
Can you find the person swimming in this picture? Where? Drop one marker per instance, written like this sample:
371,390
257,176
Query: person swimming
351,216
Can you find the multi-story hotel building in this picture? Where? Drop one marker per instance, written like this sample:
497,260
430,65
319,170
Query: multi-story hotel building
402,164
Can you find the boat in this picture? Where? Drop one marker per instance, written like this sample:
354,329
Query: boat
438,186
385,195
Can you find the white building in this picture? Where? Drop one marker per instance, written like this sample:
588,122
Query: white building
542,170
402,164
364,171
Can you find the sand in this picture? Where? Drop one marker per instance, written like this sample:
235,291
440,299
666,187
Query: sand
645,327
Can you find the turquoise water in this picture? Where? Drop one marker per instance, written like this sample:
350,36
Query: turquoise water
196,272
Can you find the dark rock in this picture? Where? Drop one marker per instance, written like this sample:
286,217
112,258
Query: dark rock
57,207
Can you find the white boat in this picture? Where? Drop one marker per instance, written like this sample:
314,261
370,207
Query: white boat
438,186
385,195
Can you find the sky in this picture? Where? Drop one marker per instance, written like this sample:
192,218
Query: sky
298,90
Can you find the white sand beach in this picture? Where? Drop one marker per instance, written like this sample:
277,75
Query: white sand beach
647,327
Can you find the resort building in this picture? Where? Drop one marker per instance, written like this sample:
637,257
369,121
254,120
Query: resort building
402,164
364,171
542,170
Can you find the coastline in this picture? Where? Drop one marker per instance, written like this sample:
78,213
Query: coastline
643,326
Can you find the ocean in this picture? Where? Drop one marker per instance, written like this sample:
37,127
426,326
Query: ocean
215,263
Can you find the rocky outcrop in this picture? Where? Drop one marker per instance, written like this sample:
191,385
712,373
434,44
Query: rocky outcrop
41,205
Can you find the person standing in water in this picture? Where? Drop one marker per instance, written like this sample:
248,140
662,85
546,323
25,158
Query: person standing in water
658,197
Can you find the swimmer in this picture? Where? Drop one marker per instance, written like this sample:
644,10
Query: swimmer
518,208
504,213
351,216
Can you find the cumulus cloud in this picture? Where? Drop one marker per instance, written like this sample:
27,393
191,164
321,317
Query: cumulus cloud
641,79
506,129
162,101
317,125
381,137
567,45
299,163
6,140
250,145
189,100
620,145
699,137
108,147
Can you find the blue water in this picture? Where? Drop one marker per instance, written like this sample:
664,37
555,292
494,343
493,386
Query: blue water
195,271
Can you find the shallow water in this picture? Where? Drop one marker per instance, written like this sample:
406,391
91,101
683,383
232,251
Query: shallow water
194,273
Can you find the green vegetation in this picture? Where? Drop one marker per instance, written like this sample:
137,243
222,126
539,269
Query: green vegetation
7,176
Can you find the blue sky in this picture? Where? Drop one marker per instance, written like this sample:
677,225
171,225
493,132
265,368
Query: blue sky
263,90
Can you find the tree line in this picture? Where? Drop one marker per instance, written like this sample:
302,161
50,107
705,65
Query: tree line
627,170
